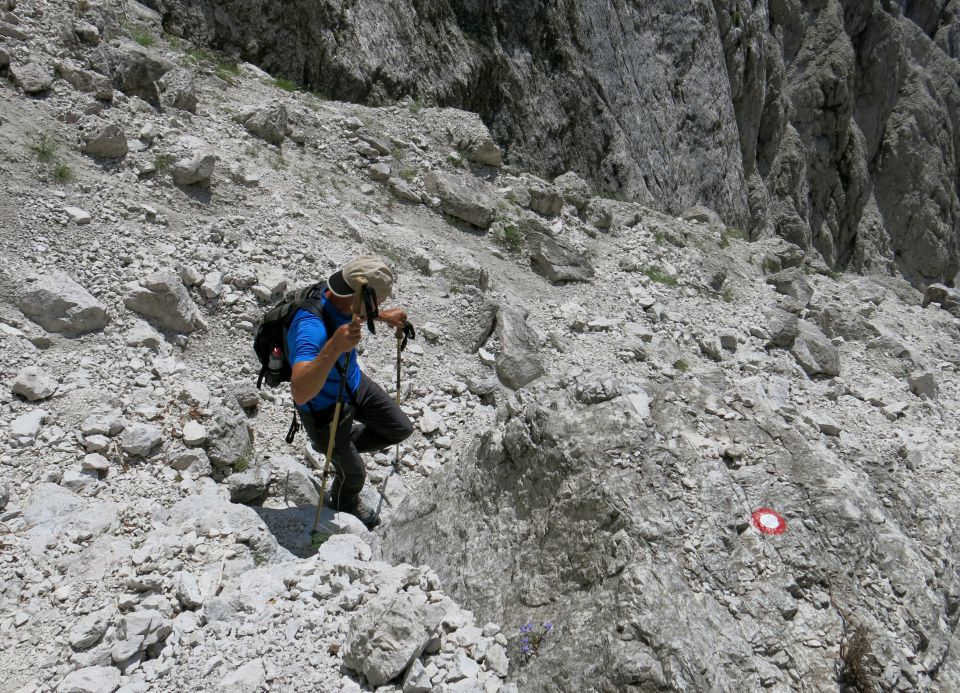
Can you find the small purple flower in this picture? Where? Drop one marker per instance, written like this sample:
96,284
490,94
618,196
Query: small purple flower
525,649
526,628
548,626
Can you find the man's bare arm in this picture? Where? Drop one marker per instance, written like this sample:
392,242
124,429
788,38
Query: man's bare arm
307,377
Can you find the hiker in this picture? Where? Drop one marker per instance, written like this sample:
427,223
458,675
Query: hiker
370,419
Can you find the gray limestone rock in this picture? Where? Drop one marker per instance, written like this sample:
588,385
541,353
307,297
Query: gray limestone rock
701,214
33,384
837,322
27,426
575,190
946,298
924,385
814,352
544,198
88,630
195,169
162,298
102,139
268,122
791,282
230,440
178,90
293,481
558,262
136,69
484,151
53,510
140,439
96,679
247,678
32,77
388,634
58,304
518,361
86,81
463,197
250,484
782,326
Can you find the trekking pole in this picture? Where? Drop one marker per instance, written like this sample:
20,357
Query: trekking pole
334,424
401,333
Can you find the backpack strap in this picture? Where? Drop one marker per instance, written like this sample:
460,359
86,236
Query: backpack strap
294,428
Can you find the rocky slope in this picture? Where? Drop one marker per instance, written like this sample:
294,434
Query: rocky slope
603,394
832,124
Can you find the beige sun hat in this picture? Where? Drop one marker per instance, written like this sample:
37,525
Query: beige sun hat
346,281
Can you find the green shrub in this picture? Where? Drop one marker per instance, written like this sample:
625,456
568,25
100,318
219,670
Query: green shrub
62,173
44,147
728,295
285,84
656,274
659,237
509,236
162,162
141,36
242,465
681,365
408,174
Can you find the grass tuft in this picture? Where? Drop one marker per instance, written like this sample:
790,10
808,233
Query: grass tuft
285,84
62,173
44,147
162,162
657,275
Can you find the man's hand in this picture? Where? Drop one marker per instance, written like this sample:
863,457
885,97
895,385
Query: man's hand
395,317
346,337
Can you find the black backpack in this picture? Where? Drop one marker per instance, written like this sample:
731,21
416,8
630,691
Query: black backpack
272,334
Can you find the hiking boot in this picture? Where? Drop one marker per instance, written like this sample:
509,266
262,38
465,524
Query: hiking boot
356,507
367,515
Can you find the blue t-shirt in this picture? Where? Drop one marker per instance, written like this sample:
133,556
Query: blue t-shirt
305,338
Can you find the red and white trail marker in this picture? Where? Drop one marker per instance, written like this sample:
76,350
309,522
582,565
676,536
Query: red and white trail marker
768,521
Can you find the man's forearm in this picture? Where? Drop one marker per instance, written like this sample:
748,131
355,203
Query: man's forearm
312,375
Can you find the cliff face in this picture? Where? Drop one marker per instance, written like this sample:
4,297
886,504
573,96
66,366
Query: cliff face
833,124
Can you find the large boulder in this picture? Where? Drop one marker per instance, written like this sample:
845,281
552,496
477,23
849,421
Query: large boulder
229,440
389,633
136,69
163,300
250,484
545,199
33,384
838,322
945,297
58,304
814,351
33,78
102,139
195,168
86,80
792,282
557,261
518,361
463,197
178,90
575,190
268,122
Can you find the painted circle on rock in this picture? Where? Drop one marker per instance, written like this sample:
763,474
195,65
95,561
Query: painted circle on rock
768,521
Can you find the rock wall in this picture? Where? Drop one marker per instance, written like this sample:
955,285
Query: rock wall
613,524
831,123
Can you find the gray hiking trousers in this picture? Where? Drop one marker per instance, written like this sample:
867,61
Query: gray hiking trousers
369,422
